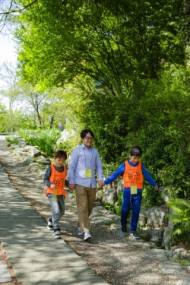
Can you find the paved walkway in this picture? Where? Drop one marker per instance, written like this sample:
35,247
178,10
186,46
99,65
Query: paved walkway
36,257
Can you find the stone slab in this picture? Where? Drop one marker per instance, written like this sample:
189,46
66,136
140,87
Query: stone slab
4,273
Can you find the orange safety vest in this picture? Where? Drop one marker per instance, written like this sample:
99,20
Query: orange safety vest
133,175
57,178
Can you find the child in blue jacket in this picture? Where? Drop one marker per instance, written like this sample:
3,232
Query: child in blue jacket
134,173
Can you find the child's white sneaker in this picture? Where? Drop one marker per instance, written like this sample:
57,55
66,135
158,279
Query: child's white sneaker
133,236
57,233
87,236
50,224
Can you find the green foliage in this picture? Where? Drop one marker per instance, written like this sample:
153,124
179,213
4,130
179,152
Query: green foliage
105,42
151,197
163,130
117,205
68,145
44,139
127,64
180,215
12,121
12,140
182,261
3,122
109,206
59,99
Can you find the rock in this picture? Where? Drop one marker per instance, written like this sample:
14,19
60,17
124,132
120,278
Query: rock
152,223
21,143
179,252
108,196
25,162
41,174
114,227
42,160
156,217
185,281
145,234
171,268
31,151
152,235
142,219
102,221
157,235
25,152
167,236
99,195
159,254
34,166
101,217
169,253
108,216
4,273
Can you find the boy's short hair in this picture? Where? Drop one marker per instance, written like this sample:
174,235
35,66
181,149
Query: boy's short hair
60,154
85,132
136,151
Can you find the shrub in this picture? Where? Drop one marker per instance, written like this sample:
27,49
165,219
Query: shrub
12,140
180,216
44,139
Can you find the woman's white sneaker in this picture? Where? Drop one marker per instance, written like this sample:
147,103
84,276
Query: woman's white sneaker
87,236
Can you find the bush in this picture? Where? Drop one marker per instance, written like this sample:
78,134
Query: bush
44,139
118,204
164,131
12,140
180,215
67,145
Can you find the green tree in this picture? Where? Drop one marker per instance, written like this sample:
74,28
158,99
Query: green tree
127,62
107,50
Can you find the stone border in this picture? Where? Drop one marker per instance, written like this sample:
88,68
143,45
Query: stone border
4,258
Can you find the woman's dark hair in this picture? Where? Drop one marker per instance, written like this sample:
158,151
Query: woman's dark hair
136,151
85,132
60,154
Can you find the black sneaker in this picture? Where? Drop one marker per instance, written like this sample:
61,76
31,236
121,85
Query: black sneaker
50,224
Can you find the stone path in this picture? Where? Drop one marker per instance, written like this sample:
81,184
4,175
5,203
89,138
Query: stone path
118,260
36,257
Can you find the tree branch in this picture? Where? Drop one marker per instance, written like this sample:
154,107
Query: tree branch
19,10
6,15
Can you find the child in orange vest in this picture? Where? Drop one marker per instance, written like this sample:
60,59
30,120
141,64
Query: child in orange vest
133,172
54,188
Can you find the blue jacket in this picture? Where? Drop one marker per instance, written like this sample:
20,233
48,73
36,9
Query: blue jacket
120,171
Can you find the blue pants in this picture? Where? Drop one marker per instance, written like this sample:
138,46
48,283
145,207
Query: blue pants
131,202
57,203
